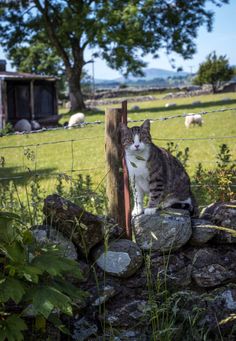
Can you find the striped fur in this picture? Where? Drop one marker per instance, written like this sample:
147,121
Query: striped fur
154,172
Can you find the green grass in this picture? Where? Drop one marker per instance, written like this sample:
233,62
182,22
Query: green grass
86,154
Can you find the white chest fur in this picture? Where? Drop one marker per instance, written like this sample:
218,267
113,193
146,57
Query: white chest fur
137,167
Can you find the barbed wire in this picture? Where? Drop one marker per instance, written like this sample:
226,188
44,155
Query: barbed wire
184,115
84,124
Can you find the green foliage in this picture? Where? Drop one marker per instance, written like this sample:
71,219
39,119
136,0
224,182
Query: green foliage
69,27
38,58
215,70
217,184
6,130
11,328
81,192
182,156
32,278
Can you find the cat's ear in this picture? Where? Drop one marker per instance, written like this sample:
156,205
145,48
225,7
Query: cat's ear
146,125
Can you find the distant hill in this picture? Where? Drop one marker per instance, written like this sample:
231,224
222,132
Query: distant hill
149,74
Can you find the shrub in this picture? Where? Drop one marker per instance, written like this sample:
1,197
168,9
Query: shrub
32,280
217,184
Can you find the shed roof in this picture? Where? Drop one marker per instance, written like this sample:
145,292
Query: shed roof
10,75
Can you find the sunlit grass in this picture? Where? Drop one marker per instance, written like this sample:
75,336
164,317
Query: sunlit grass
86,154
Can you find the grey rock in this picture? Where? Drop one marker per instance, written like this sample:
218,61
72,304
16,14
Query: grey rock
107,292
221,310
222,214
135,107
44,235
130,334
214,266
203,231
164,231
85,229
128,314
122,258
35,125
212,312
83,329
23,125
174,270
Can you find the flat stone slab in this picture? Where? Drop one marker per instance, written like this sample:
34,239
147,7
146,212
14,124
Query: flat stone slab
164,231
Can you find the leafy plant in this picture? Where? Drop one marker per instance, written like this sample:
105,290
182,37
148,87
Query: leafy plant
82,193
182,156
33,279
217,184
7,129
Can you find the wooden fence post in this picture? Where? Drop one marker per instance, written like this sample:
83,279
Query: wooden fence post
117,178
115,184
126,181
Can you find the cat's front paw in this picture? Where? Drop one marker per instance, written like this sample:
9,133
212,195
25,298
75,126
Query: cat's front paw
150,211
137,211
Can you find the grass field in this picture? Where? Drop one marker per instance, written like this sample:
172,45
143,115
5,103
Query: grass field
50,153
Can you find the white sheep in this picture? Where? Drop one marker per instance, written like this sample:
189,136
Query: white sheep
76,119
192,119
170,105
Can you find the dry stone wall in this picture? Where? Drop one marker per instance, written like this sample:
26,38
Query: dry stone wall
179,270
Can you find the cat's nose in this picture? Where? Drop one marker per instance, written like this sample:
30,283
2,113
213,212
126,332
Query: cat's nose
136,146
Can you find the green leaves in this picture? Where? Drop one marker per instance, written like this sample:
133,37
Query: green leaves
7,231
11,288
55,265
133,164
140,158
36,283
11,328
46,298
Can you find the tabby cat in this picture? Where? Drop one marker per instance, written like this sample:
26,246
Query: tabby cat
155,172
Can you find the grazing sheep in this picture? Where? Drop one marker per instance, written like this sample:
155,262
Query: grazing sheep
196,102
76,119
170,105
23,125
193,119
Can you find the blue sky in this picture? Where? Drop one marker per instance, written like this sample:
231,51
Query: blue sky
222,39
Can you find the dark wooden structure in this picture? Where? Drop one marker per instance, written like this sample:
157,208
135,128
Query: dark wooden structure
29,96
117,188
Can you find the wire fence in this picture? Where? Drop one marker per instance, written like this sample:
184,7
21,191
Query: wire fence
29,154
84,124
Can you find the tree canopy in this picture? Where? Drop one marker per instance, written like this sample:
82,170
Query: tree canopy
215,71
120,31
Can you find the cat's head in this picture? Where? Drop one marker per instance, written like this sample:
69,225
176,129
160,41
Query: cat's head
135,138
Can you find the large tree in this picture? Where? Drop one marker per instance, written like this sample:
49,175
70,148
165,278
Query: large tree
215,71
120,31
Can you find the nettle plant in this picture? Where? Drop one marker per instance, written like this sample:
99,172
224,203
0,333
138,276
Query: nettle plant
32,281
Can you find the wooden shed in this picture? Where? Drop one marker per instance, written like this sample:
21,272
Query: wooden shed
29,96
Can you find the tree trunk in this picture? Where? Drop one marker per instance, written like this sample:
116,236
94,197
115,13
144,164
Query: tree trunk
75,93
